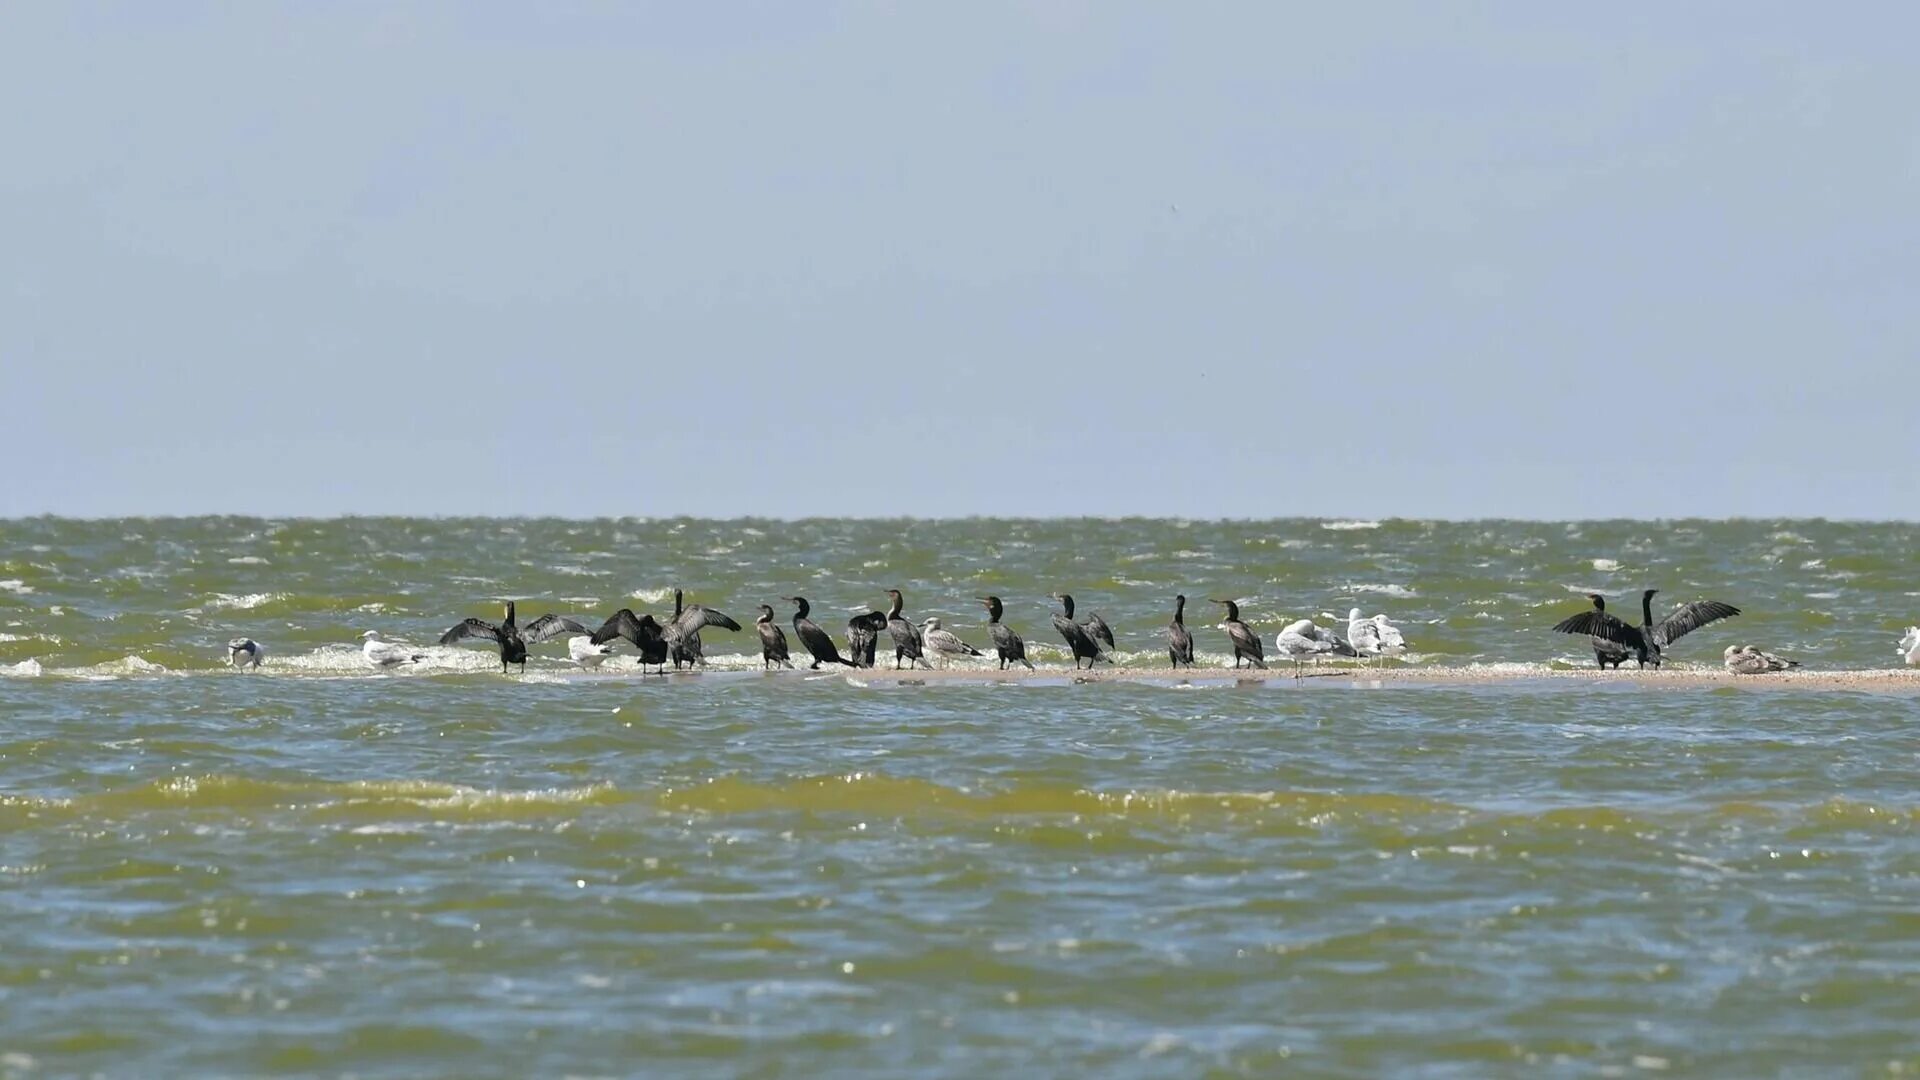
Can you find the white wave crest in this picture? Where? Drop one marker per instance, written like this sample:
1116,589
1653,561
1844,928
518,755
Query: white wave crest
248,560
25,669
651,596
1385,590
15,586
1606,566
229,602
1348,526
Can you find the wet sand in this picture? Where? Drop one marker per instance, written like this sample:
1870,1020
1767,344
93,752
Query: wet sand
1899,680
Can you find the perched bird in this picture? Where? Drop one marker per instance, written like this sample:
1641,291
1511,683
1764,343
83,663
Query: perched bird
1374,637
812,638
1649,638
1080,639
581,650
642,631
1611,636
1747,660
1302,639
386,654
1909,647
512,640
773,640
683,632
944,643
906,636
863,637
1005,641
1246,643
244,652
1179,642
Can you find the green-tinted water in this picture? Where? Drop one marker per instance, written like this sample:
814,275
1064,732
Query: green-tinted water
323,869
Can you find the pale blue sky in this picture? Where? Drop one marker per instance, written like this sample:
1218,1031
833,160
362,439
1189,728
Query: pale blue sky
1196,259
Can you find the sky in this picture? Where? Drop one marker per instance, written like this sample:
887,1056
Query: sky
1203,260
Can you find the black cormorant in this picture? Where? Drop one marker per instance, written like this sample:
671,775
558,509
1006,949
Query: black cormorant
863,637
1079,638
906,636
512,640
1179,642
773,640
643,631
1649,638
1005,641
1246,643
683,633
812,638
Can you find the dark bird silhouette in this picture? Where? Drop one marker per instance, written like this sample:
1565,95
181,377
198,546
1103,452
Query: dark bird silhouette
683,633
1607,650
906,636
1005,641
1179,642
812,638
1648,640
863,637
512,640
1080,639
773,640
1246,643
642,631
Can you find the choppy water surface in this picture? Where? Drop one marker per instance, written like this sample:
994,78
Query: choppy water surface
323,870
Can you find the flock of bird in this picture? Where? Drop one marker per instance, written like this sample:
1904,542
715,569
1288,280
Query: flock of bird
676,639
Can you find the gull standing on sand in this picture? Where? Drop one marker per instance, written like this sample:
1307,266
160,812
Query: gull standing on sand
1179,642
944,643
906,636
1303,639
244,652
1005,641
1909,647
386,654
581,650
1246,643
1747,660
1376,636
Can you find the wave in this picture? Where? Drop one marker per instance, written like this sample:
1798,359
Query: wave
1348,526
16,586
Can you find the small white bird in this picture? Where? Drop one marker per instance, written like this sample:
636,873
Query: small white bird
1374,637
244,652
1302,639
386,654
1747,660
1909,647
584,652
943,643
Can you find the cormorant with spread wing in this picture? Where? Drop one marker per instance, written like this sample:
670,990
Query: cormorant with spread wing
683,633
643,631
512,640
1649,638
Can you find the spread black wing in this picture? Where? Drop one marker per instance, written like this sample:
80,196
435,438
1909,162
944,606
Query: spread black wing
551,626
642,631
1690,618
1098,627
1602,625
697,618
473,628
